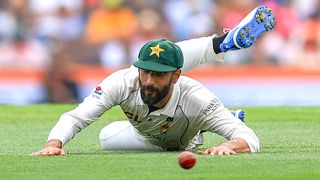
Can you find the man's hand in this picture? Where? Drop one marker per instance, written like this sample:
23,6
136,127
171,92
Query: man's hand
217,151
228,148
52,148
49,152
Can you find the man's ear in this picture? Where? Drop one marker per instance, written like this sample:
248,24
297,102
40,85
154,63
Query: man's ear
176,75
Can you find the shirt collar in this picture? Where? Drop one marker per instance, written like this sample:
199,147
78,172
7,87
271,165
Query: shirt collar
170,108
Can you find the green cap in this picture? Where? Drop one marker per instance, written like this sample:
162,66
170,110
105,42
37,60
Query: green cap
159,55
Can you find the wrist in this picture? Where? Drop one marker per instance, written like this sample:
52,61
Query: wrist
54,144
237,145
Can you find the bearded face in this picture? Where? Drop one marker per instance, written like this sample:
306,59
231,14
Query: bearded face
151,95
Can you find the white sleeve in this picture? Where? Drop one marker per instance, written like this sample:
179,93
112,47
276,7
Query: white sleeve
108,94
74,121
225,124
216,118
230,127
198,51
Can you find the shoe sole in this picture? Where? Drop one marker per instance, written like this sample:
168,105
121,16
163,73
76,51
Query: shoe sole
254,24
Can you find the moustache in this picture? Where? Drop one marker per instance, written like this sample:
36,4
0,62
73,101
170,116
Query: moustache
150,88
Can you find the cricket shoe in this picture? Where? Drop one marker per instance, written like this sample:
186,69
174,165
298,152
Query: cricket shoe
238,114
258,21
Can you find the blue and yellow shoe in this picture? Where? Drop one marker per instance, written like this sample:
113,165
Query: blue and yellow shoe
258,21
238,114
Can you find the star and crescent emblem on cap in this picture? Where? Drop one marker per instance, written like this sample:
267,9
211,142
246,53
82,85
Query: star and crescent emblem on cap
156,50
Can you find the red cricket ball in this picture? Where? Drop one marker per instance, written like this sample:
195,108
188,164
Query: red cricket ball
187,159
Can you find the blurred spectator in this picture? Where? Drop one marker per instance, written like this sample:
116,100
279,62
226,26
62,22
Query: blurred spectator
57,36
152,25
306,45
24,54
111,21
60,82
57,19
59,24
7,21
189,18
17,49
305,8
111,27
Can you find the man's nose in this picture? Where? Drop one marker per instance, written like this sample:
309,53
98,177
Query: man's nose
150,80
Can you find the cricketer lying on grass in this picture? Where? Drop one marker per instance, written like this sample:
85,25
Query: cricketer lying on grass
165,110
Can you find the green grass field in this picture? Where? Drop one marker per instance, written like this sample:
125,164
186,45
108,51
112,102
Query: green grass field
289,138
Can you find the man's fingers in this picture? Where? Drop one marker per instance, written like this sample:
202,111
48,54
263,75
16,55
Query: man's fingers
62,153
201,153
37,153
217,152
34,154
224,152
206,152
227,153
49,152
214,152
43,153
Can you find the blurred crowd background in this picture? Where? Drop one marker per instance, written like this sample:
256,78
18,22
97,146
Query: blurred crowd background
55,36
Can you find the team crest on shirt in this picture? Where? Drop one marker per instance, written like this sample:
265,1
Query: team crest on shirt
97,92
164,128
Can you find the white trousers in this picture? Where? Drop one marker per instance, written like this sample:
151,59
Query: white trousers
121,135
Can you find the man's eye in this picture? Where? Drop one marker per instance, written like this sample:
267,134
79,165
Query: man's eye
146,71
160,73
154,73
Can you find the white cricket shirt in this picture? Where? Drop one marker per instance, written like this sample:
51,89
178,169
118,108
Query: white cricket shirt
191,108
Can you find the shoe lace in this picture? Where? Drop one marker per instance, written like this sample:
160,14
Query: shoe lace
226,30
